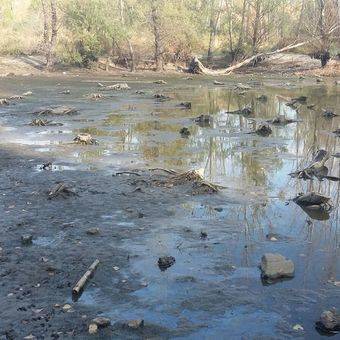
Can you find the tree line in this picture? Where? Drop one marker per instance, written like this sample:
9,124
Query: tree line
135,33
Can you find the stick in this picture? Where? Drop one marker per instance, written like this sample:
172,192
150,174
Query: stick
81,283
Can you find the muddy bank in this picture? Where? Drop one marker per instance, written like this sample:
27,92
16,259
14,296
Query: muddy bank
213,244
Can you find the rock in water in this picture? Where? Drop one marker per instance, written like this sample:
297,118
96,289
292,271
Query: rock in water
85,139
264,130
93,328
135,324
184,132
329,321
166,262
101,322
276,266
310,199
26,239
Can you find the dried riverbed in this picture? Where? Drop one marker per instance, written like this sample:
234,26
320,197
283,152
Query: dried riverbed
214,287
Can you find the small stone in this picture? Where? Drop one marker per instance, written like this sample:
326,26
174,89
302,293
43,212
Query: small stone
101,322
67,307
298,327
93,231
329,321
135,324
166,262
26,239
93,328
29,337
203,235
275,266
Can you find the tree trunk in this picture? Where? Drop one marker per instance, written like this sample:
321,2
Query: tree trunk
241,34
132,57
53,40
197,67
256,27
157,38
45,34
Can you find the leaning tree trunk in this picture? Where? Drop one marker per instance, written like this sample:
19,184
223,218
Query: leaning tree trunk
197,67
53,40
157,37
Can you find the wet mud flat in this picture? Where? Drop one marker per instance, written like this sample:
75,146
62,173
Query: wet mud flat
128,217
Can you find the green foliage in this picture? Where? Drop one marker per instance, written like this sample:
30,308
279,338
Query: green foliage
88,29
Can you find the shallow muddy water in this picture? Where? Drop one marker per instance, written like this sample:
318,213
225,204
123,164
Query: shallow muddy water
214,289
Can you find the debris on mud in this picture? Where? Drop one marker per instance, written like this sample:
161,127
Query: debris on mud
80,285
16,97
46,166
329,322
316,169
28,93
60,190
166,262
204,120
184,132
160,82
263,130
216,82
185,105
161,97
281,120
26,240
193,177
58,110
276,266
4,101
65,92
95,96
85,139
43,122
329,114
116,87
244,111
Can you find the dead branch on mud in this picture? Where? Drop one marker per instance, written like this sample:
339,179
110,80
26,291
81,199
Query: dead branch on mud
79,287
199,185
60,190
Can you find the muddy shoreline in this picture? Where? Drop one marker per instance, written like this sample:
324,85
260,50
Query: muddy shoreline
214,286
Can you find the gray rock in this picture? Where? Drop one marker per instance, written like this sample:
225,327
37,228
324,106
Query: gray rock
165,262
93,231
101,321
329,321
275,266
135,324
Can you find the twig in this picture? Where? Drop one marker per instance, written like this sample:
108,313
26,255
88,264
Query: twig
78,288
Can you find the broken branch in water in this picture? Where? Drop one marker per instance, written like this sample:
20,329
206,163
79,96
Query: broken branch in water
78,288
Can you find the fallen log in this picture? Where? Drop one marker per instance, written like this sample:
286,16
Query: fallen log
197,67
78,288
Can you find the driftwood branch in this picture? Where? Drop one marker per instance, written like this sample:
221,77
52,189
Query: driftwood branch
197,67
78,288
